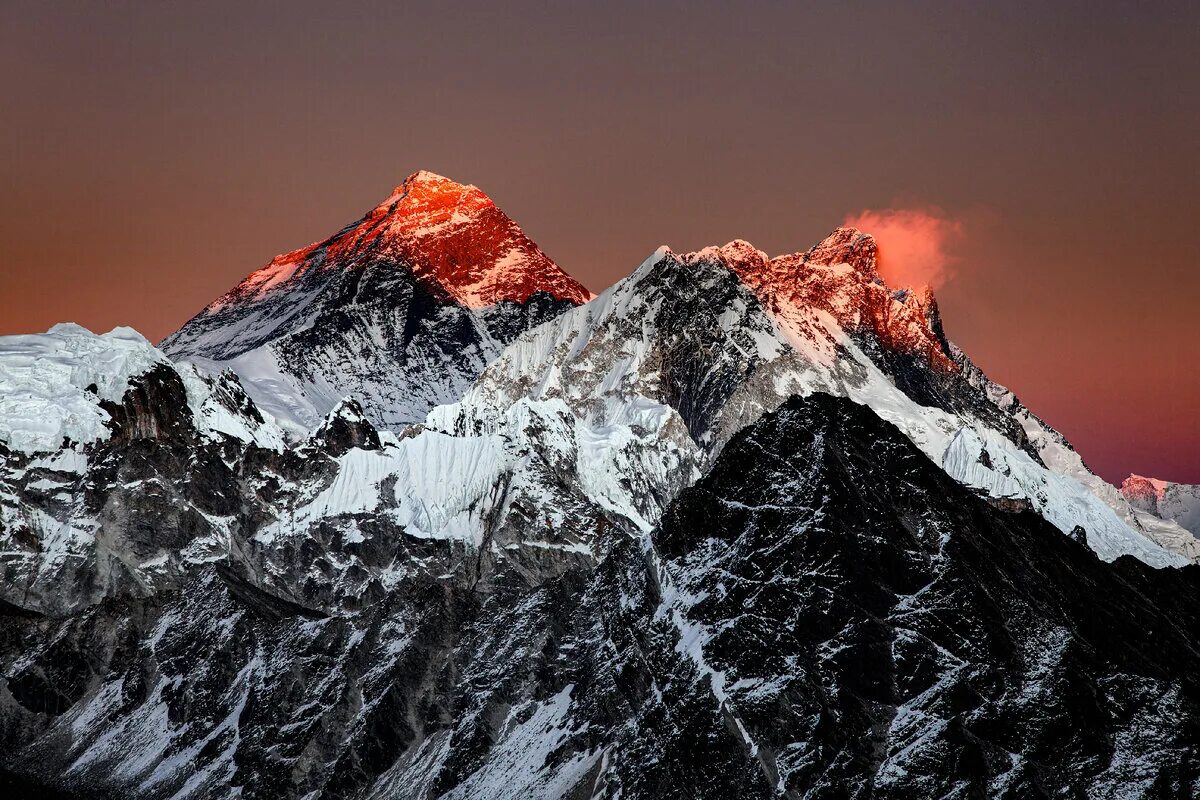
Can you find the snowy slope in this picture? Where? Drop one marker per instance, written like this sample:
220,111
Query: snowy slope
50,383
1063,460
53,384
400,310
669,363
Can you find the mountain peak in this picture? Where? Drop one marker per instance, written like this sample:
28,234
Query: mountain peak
455,240
1137,488
847,246
425,189
738,255
424,177
838,277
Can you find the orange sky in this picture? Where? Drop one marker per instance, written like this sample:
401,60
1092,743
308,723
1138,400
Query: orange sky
154,156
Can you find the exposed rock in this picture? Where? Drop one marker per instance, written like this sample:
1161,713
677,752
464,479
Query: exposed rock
400,310
908,640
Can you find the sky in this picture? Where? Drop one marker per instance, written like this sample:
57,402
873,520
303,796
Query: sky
1042,157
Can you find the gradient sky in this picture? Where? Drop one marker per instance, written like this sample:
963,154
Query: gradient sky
155,155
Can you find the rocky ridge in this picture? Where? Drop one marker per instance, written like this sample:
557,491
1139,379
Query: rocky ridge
553,584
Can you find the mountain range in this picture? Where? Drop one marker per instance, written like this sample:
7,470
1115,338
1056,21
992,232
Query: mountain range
411,513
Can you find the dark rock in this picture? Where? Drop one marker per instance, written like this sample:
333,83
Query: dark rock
826,613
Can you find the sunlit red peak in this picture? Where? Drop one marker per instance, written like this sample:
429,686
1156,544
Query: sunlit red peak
425,178
847,246
838,277
1147,490
742,251
739,255
456,241
428,192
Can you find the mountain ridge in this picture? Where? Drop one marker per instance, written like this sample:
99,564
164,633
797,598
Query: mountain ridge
737,526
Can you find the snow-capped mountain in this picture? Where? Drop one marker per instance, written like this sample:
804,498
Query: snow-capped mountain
401,310
116,472
407,514
825,610
1174,502
124,472
634,392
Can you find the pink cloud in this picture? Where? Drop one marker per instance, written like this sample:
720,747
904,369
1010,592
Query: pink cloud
915,246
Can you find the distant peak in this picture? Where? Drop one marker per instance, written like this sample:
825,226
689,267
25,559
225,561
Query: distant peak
739,255
1137,487
847,246
455,240
739,250
425,192
425,176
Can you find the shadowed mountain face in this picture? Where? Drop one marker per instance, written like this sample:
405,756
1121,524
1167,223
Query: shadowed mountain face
824,614
878,631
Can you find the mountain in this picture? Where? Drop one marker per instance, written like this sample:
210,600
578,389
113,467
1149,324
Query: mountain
635,392
592,422
400,310
824,612
739,526
1174,502
115,474
838,618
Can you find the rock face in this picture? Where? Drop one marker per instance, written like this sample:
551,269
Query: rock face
739,527
825,612
401,310
863,634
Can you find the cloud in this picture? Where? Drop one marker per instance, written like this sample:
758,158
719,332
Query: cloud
915,245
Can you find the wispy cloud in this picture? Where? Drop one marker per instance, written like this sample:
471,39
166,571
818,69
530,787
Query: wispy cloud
916,246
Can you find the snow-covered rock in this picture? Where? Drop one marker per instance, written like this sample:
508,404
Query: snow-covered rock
400,310
669,363
1172,502
54,386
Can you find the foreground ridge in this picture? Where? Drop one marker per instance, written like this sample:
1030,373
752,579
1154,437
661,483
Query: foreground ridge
911,639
